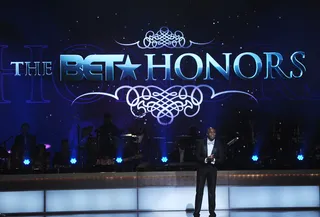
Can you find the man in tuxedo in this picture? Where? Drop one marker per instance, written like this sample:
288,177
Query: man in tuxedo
209,153
78,134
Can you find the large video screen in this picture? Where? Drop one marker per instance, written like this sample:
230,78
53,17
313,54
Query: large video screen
246,68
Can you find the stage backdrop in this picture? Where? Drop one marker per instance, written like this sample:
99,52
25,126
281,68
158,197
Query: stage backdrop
171,64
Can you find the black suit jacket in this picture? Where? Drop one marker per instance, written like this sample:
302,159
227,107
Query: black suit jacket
201,151
18,146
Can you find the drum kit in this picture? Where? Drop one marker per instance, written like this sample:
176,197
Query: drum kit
92,146
109,161
184,149
4,155
9,161
135,138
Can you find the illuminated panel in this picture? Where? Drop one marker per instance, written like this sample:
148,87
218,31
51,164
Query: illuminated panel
91,200
274,197
102,215
177,198
21,202
275,214
183,214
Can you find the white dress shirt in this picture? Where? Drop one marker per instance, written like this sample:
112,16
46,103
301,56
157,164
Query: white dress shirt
210,146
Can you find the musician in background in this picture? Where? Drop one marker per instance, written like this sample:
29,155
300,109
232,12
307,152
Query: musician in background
194,132
138,131
24,146
62,158
108,134
75,137
186,145
41,159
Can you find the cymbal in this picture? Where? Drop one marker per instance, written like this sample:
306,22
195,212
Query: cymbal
128,135
183,136
159,137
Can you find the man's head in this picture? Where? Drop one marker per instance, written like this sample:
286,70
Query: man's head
193,131
211,133
25,128
107,118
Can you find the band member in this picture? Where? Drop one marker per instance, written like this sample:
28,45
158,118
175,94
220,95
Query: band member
41,158
24,146
76,136
62,158
209,152
74,133
108,134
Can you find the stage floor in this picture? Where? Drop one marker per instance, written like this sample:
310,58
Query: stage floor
160,192
204,214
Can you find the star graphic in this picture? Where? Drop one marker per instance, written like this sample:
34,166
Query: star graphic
128,69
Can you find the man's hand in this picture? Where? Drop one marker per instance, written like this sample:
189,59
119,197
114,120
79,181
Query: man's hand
210,159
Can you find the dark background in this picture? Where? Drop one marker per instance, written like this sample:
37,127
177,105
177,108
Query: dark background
86,27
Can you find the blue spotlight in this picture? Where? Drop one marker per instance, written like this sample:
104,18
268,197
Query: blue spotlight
164,159
73,161
119,160
300,157
255,158
26,162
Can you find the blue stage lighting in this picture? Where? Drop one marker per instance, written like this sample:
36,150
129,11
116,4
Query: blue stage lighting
255,158
164,159
26,162
119,160
73,161
300,157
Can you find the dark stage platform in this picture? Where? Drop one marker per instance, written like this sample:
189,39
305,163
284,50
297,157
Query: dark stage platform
159,192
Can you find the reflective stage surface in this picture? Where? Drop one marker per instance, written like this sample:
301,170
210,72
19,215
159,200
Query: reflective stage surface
158,192
204,214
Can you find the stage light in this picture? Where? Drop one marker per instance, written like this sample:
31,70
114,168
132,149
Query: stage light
48,146
119,160
300,157
255,158
164,159
26,162
73,161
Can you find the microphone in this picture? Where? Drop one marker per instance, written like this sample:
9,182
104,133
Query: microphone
232,141
9,138
5,141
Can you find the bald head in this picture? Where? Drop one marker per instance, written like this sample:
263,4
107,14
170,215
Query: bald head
211,133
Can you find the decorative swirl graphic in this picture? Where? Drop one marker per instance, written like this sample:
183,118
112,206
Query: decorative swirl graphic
164,38
165,105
